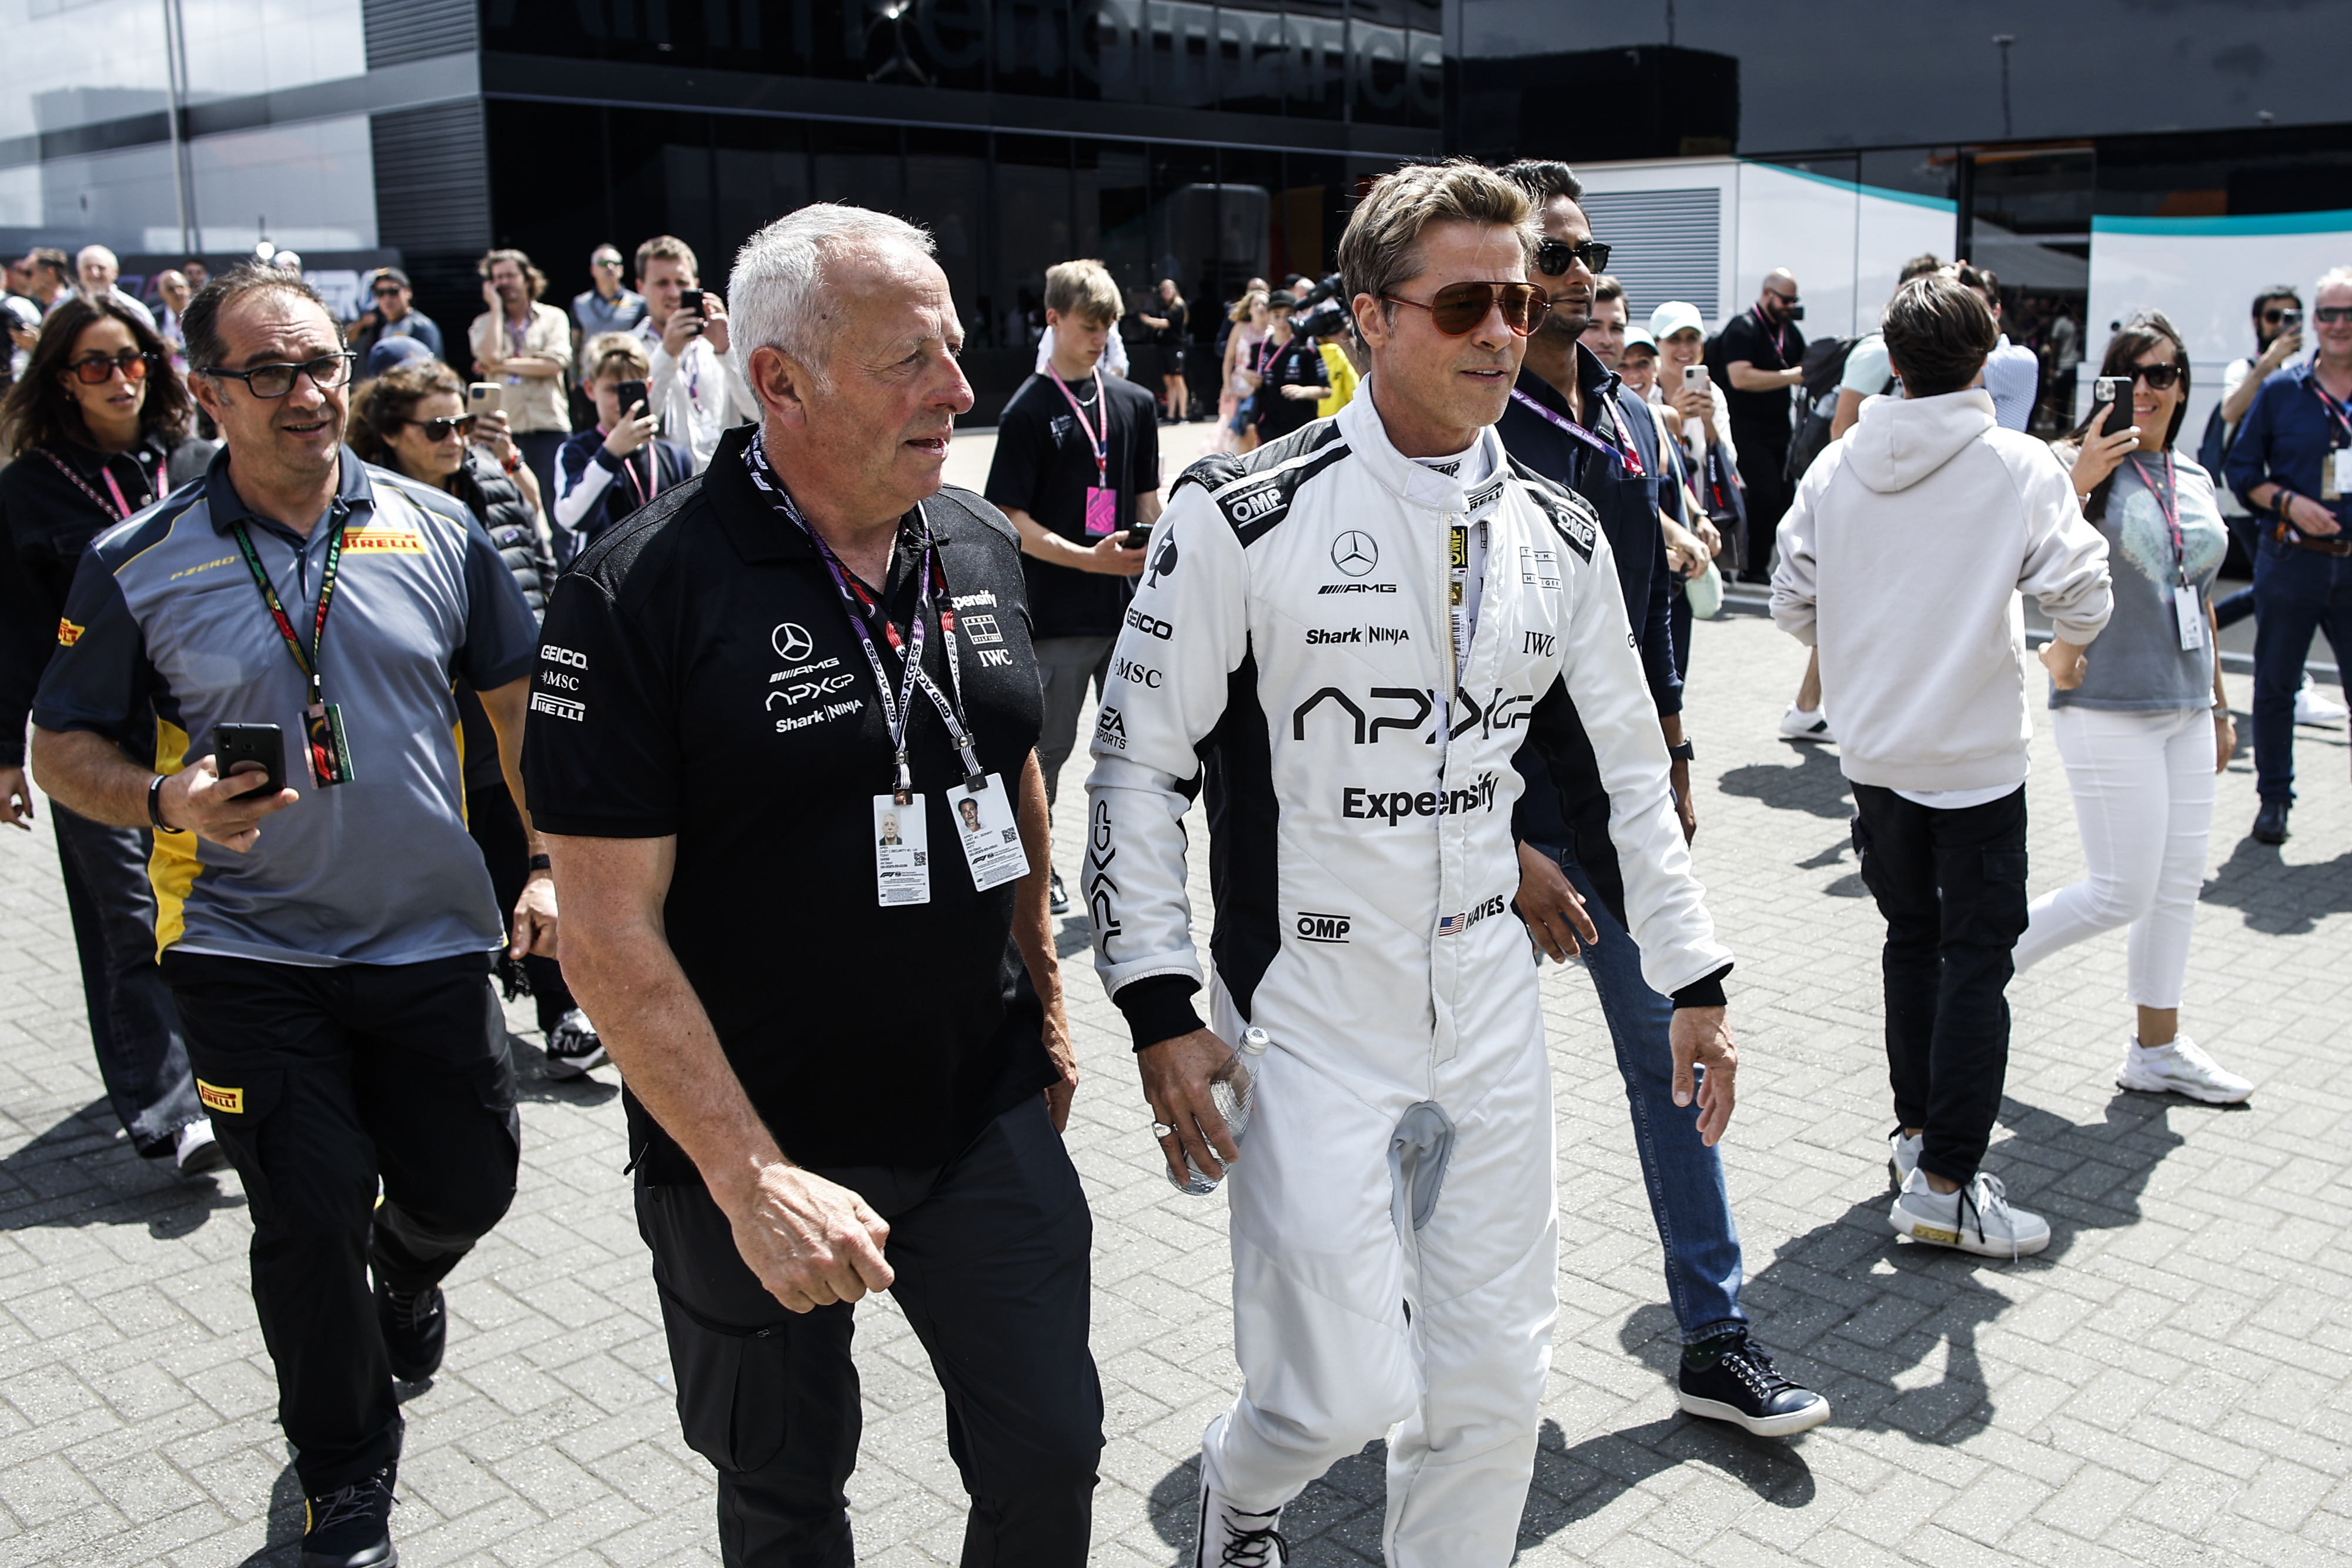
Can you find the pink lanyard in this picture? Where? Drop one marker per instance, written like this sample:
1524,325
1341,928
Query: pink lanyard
1779,334
121,508
1623,453
2167,504
1100,441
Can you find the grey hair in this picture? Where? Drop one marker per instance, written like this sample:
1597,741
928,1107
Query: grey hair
776,295
2334,277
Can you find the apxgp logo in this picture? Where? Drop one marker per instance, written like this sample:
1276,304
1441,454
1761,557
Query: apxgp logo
804,691
791,642
1354,553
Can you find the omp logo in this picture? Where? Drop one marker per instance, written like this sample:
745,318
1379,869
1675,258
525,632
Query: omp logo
1358,587
382,541
1151,627
794,696
1538,642
791,642
206,566
1317,927
1354,553
68,632
555,656
1395,806
559,708
1251,505
229,1102
1111,729
1367,727
1141,675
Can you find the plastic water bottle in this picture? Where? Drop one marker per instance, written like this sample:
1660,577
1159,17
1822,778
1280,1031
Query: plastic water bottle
1230,1091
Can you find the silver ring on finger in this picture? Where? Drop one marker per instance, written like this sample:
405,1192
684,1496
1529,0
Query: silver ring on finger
1160,1129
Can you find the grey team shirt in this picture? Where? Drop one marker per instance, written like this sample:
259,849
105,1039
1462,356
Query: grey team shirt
164,611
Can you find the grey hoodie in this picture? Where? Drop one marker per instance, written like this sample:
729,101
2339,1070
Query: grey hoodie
1901,559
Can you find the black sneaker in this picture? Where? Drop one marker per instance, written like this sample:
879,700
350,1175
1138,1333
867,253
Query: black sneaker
573,1047
350,1527
1060,901
1729,1378
415,1330
2270,823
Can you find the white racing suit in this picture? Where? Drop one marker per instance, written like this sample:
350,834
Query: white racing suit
1393,1215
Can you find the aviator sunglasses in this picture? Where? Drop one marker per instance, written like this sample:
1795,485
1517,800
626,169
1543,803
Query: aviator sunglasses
1457,309
1554,256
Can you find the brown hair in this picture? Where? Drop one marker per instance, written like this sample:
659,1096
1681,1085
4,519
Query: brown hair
2133,339
533,279
1939,332
608,348
1605,288
200,326
38,413
667,247
1084,290
1382,246
383,405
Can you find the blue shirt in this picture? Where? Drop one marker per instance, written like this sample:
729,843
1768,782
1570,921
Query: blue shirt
163,610
2285,439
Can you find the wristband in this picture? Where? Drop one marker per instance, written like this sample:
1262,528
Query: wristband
540,862
511,464
156,806
2279,501
1683,751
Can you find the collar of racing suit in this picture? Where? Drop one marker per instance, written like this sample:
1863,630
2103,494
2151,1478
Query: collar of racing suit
1414,483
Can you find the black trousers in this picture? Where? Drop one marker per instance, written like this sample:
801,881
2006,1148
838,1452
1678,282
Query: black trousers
496,827
322,1083
1763,462
133,1027
991,1257
1952,887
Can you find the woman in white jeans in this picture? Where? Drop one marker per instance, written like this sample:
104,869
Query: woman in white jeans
2148,728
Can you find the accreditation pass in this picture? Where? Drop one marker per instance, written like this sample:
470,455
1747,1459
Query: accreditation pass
992,839
902,862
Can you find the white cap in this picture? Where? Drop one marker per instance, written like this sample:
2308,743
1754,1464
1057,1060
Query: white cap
1639,338
1675,316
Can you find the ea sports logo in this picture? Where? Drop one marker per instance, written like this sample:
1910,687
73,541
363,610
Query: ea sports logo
792,643
1354,553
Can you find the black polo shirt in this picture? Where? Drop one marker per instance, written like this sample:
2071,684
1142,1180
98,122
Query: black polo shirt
1044,464
699,678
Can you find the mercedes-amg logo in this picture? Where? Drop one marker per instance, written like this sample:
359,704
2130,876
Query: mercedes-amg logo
792,643
1354,553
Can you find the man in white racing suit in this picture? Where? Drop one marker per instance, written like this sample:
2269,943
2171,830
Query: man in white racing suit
1344,636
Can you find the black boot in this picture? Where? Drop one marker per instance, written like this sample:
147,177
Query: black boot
415,1330
2270,823
350,1527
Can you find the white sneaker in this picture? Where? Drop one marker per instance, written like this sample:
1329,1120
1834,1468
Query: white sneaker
2182,1067
2312,706
195,1151
1976,1218
1904,1154
1231,1539
1798,724
574,1047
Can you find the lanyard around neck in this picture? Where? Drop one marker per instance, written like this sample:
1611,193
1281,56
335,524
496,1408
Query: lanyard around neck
1622,451
121,508
2168,505
308,658
1100,439
860,606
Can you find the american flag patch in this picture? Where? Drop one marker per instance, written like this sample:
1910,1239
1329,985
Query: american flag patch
1454,925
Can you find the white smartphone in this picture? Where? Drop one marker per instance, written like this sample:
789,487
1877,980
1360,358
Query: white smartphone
1696,376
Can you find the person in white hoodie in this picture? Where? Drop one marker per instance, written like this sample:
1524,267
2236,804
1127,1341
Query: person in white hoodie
1901,561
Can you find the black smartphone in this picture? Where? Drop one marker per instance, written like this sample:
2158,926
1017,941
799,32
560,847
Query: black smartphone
234,744
2115,393
690,299
632,393
1139,538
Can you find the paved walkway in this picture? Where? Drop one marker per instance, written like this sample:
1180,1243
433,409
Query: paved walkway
2171,1382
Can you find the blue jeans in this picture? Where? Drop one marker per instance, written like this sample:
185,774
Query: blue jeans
2296,594
1684,1175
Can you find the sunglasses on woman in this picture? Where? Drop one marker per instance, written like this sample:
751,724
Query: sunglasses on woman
1554,256
2159,378
1458,309
98,369
443,429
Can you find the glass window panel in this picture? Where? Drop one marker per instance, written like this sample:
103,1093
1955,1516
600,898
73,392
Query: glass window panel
1033,229
858,164
763,173
1033,47
314,185
946,192
1252,59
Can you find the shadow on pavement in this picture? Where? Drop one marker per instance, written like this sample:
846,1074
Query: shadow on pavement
285,1542
1814,786
2276,898
533,1084
82,1172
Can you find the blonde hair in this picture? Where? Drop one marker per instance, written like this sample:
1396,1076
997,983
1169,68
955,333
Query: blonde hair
1382,246
1085,290
1246,307
606,349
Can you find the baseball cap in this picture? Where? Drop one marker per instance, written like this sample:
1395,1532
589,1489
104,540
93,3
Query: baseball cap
391,353
388,275
1672,317
1639,338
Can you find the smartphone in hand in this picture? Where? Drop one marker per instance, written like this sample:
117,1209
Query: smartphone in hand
236,746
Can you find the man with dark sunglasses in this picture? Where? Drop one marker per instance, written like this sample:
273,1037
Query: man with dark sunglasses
392,314
2291,465
1345,637
1572,421
328,945
1763,354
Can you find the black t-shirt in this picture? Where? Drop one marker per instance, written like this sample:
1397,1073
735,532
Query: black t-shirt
1298,364
1768,349
1172,336
699,677
1044,464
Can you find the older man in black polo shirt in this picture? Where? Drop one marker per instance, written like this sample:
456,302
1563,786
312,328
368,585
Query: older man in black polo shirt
784,726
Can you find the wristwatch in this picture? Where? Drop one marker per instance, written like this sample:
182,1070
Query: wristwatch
540,862
1682,751
156,806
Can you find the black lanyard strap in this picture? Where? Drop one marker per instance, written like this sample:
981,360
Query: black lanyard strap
308,658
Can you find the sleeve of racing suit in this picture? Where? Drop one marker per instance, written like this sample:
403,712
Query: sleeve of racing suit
1599,720
1188,621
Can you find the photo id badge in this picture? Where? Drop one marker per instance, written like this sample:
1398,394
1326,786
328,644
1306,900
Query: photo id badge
2188,608
1102,511
902,865
331,750
2340,474
992,839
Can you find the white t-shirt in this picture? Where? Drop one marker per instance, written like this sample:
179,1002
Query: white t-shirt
1960,800
1114,359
